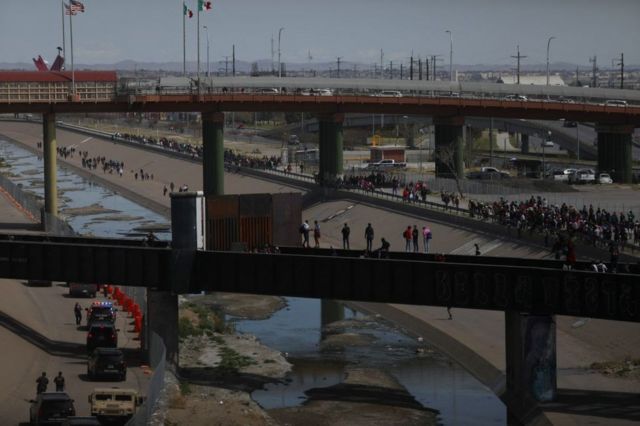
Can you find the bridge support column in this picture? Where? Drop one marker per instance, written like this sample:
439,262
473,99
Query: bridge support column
330,311
449,153
524,143
614,151
50,179
331,147
213,153
531,360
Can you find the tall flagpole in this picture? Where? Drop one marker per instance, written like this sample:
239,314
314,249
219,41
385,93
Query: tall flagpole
184,40
73,72
64,44
198,19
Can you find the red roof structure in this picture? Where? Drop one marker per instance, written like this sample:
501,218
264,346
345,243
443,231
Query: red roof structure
57,76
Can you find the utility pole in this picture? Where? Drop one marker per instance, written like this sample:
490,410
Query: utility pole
419,69
279,60
338,59
426,66
411,68
577,76
273,52
434,60
233,60
401,71
518,57
391,70
226,66
381,64
621,63
594,82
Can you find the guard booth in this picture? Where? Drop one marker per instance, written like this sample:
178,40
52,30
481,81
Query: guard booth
249,222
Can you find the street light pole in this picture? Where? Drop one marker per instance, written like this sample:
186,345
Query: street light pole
548,45
206,29
279,62
450,55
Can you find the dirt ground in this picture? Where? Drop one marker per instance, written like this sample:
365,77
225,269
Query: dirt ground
220,369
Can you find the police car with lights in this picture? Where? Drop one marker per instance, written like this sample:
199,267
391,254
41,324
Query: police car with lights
101,311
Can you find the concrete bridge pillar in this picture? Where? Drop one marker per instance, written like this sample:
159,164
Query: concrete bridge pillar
614,151
531,360
50,179
187,209
524,143
331,147
330,311
449,146
213,153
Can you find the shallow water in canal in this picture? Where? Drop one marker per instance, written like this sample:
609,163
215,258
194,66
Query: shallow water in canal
433,379
430,377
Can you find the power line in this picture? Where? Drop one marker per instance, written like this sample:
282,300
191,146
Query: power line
594,61
518,57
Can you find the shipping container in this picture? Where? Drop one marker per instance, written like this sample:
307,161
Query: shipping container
252,221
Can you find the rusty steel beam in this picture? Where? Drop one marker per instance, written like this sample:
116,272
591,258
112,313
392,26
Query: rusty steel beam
488,287
462,284
85,263
412,105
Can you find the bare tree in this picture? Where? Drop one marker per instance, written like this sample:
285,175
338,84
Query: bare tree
447,161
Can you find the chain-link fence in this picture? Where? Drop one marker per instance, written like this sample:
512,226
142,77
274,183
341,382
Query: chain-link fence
157,358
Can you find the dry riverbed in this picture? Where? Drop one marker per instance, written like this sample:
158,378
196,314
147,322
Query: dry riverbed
220,369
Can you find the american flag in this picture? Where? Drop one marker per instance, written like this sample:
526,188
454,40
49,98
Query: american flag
68,10
76,6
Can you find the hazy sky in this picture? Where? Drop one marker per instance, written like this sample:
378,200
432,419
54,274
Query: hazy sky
484,31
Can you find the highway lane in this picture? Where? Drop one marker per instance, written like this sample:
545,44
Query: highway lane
43,313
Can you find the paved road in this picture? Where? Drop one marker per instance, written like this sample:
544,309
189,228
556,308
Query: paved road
44,337
476,332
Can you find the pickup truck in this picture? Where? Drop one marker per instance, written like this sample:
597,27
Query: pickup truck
386,164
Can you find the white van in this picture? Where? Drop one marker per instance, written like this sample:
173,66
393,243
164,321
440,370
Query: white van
616,103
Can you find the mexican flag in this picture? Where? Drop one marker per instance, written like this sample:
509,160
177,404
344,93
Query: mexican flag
186,11
204,5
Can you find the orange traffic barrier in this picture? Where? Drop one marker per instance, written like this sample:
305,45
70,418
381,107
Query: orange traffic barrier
137,324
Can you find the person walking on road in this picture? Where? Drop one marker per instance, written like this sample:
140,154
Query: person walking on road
414,235
345,236
42,383
304,230
368,235
407,235
426,238
77,310
59,382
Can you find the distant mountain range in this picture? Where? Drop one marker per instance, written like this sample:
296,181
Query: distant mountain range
266,65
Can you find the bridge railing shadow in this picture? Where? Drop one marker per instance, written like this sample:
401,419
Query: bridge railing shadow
610,405
53,347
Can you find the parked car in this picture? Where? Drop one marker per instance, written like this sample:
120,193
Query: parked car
616,103
604,178
516,98
101,311
51,408
102,335
82,290
569,123
548,144
582,176
107,363
390,94
386,164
